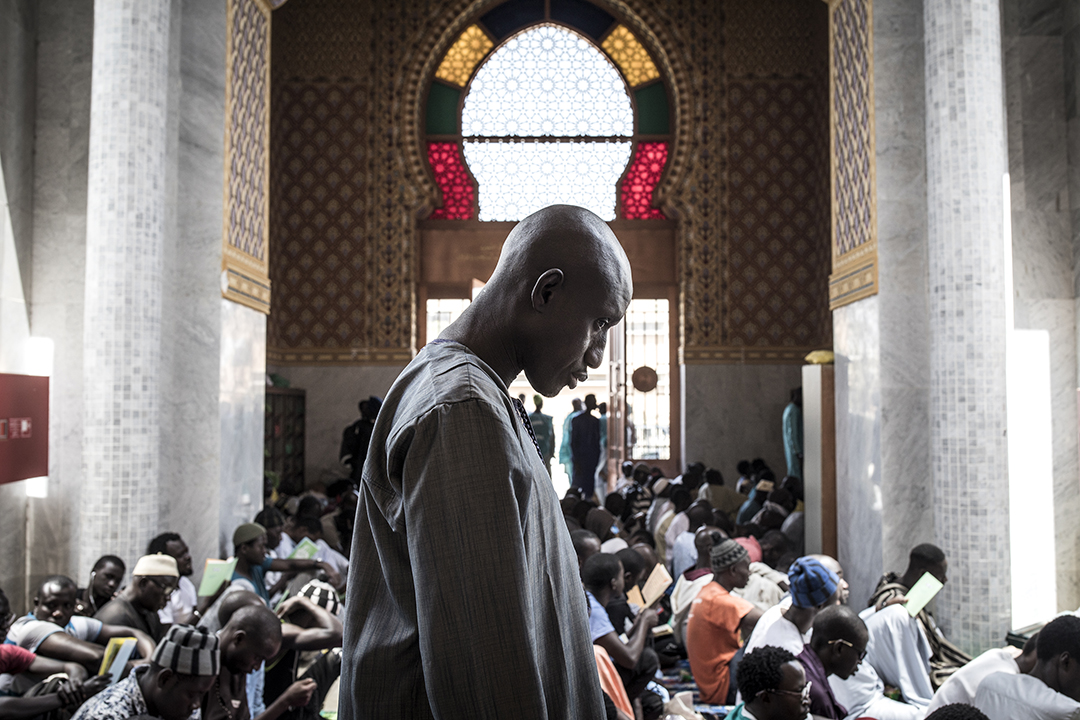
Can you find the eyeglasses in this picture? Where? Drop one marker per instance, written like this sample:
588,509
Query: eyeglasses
804,694
168,590
862,655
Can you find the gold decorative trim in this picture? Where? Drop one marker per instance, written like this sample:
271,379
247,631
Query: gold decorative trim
339,356
746,355
854,271
245,260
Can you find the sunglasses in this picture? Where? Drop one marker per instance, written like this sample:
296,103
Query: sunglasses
804,694
862,655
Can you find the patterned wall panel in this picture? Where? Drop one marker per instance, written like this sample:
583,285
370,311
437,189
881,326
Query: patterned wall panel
335,41
778,195
245,256
854,213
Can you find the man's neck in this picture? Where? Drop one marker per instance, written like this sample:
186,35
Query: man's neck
146,685
1047,673
603,597
802,618
482,332
243,567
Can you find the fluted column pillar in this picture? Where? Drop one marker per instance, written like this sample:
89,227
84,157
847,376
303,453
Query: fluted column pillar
126,216
965,152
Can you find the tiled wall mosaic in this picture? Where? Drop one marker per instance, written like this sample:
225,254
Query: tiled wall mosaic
126,218
965,142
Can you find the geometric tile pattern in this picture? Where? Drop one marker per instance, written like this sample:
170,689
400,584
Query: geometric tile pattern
854,204
641,180
463,56
631,57
377,52
320,257
247,154
778,194
458,188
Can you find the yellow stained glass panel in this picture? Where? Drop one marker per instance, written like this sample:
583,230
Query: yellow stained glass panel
463,56
631,57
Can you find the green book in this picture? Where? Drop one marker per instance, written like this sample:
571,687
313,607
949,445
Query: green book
921,593
304,550
215,574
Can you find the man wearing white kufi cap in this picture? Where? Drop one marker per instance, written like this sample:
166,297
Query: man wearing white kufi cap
181,672
153,581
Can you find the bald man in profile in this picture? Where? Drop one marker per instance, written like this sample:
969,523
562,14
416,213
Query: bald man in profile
464,596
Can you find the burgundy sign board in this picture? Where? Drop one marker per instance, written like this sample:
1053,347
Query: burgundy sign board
24,427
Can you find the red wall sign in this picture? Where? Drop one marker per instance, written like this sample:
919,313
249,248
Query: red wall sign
24,427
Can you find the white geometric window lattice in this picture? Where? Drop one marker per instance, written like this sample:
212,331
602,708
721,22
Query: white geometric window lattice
547,120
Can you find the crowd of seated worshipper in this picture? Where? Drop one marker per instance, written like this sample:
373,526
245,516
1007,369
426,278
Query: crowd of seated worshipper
768,631
264,644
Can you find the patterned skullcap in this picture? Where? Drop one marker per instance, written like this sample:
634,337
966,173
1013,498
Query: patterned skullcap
323,595
246,533
811,582
725,554
188,650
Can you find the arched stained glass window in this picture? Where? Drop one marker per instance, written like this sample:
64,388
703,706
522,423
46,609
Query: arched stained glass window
547,120
534,107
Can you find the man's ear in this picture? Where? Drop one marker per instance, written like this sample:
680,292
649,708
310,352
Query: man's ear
545,287
164,677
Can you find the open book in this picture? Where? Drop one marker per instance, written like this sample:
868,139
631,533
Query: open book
215,574
117,653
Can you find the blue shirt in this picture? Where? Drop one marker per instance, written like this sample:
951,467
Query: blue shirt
258,573
599,622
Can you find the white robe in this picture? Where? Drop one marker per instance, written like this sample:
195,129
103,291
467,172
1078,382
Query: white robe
962,685
1005,696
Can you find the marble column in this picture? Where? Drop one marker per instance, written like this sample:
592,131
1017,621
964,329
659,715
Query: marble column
125,232
965,162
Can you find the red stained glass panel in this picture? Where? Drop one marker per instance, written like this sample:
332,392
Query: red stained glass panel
458,189
637,188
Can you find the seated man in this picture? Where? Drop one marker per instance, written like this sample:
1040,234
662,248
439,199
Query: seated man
251,636
604,580
52,629
105,578
897,654
723,498
309,624
716,619
836,648
774,685
1051,691
153,581
14,660
586,544
813,588
963,684
252,562
684,552
690,583
672,523
945,658
183,606
181,672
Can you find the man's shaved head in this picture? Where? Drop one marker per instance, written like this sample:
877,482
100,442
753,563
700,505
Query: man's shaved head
839,622
561,282
234,601
257,621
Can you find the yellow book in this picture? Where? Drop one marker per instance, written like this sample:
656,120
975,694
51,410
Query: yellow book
117,653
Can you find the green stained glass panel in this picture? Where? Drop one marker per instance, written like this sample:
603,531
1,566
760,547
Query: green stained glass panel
652,109
442,109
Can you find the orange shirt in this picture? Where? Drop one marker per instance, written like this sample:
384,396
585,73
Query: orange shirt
712,639
610,681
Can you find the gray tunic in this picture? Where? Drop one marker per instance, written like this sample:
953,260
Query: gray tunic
464,596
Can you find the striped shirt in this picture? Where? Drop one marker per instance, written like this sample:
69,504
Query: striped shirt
464,597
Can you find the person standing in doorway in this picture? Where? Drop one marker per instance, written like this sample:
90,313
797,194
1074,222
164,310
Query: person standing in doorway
544,429
585,448
793,434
